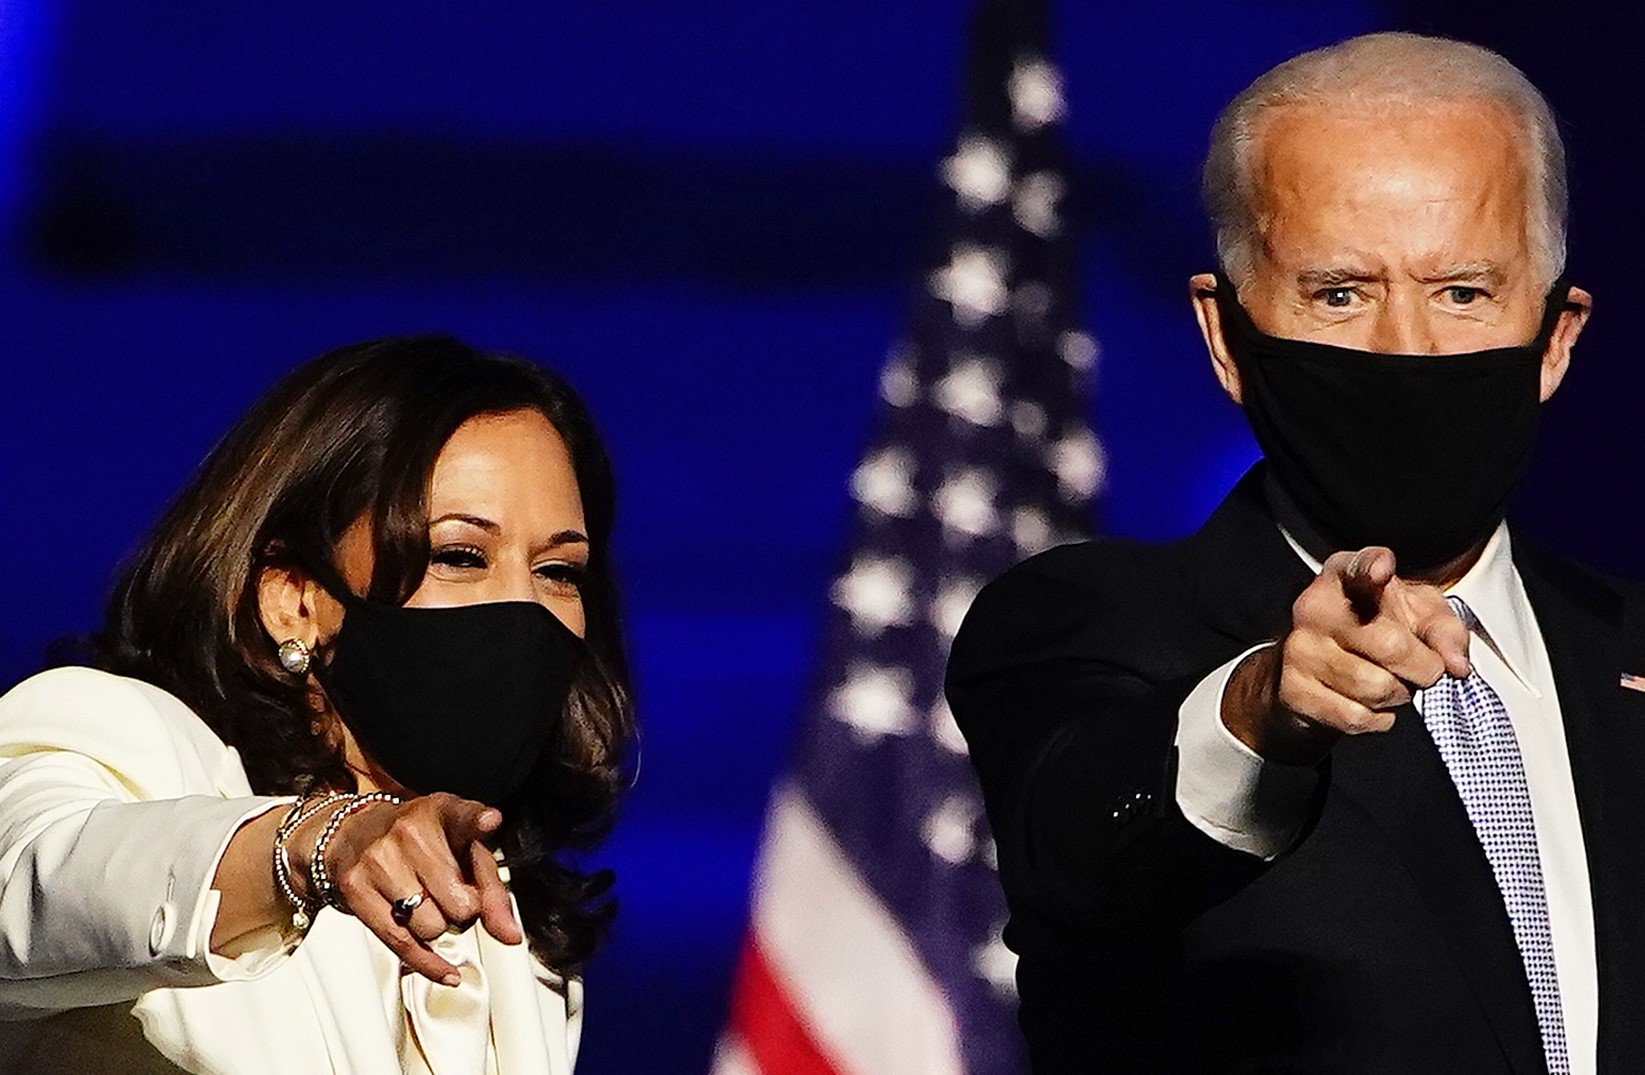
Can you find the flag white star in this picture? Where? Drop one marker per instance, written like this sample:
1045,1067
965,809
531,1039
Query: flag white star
964,504
874,702
979,171
945,729
1028,419
950,830
996,964
899,385
953,601
1034,203
1078,463
1078,349
885,482
971,390
875,593
973,282
1030,531
1035,88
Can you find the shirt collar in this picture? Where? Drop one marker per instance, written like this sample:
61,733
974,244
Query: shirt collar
1494,593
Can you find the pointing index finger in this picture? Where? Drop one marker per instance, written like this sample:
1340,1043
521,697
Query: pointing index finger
465,821
1365,577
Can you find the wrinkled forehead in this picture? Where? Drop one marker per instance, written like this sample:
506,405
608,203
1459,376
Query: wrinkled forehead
1337,129
1388,163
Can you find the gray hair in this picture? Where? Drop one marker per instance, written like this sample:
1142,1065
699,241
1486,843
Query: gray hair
1379,70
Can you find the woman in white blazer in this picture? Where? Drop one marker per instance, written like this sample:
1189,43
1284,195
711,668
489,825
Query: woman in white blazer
359,695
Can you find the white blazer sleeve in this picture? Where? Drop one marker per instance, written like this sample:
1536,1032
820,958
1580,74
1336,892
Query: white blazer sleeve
116,804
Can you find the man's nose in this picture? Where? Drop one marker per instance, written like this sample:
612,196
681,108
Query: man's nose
1402,327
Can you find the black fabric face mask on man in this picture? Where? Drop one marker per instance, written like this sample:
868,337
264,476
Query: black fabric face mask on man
460,699
1416,452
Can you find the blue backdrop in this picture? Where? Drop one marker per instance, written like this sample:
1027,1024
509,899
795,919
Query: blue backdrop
709,216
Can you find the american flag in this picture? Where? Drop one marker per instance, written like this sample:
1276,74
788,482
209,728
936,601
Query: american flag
874,944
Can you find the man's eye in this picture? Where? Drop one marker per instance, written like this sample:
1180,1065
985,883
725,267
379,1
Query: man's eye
1337,296
1463,296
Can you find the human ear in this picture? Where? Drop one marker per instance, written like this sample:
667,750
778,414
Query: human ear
289,606
1202,292
1579,305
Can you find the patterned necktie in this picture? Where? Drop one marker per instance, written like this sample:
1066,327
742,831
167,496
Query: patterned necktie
1469,724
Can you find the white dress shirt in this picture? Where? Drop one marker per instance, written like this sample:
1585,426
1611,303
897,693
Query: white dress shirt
1228,792
116,803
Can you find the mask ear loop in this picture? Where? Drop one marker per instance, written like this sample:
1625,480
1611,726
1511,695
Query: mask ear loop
1236,319
1555,305
331,581
1239,332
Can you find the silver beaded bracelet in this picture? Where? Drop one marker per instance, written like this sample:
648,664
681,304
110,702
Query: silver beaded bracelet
319,877
302,909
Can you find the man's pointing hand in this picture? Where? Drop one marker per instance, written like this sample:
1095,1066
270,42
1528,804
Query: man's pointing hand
1362,641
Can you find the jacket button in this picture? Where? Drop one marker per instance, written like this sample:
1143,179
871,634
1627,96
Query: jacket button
161,929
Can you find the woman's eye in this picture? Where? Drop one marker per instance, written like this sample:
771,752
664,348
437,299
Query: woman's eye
458,556
563,577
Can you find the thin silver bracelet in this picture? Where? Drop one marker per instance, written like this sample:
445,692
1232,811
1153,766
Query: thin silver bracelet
319,876
302,909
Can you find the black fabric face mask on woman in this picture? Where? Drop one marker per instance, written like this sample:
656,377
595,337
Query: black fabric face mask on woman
460,699
1416,452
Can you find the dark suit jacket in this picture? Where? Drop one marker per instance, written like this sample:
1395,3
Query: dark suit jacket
1379,943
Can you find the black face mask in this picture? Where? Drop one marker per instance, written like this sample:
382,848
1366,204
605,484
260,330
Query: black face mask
460,699
1416,452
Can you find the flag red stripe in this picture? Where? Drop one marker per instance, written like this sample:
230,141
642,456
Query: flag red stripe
770,1026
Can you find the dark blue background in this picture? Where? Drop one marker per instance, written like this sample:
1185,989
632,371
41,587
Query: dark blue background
709,215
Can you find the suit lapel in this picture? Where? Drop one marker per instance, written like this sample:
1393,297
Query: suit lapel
1245,573
1590,644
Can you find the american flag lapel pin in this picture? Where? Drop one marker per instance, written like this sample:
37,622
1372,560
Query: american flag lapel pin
1633,682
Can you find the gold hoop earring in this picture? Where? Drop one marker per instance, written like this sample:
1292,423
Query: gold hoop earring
295,656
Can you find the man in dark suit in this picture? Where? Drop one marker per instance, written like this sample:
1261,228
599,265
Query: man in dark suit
1348,780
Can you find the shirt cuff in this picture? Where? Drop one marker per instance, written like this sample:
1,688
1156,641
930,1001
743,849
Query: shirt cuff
1224,788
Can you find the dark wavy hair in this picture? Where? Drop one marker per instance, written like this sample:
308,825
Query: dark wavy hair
354,434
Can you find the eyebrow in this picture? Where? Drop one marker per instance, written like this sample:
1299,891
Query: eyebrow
566,537
1334,277
562,537
1476,272
473,520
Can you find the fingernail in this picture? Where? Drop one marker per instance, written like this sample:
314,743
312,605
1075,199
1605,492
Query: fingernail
453,979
